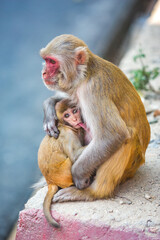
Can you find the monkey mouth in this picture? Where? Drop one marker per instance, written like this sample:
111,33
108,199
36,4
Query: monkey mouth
48,82
46,77
83,125
77,126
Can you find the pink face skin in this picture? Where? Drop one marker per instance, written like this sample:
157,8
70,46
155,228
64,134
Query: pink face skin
73,117
50,70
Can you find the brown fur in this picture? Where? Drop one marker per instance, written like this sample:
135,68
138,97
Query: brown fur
112,110
55,157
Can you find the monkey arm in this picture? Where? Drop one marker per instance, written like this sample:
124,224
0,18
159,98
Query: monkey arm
77,153
50,118
106,141
72,146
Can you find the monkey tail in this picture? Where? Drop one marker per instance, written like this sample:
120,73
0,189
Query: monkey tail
52,189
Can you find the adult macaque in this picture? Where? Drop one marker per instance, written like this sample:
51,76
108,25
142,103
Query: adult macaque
55,156
110,107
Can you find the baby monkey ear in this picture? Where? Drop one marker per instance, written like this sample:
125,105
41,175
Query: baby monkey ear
81,56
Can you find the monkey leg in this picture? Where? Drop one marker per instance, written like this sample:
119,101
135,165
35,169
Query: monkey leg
122,165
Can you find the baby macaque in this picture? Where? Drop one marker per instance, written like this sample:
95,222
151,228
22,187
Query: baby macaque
55,156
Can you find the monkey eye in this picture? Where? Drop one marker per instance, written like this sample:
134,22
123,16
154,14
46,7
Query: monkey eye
52,61
75,110
66,115
49,60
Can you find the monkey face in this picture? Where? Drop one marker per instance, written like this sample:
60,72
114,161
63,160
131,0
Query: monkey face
51,69
55,75
73,117
51,72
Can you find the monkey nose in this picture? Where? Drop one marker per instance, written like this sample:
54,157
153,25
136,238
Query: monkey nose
44,74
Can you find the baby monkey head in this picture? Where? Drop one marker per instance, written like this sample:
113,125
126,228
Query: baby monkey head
69,114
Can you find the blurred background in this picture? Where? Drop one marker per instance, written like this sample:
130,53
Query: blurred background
26,27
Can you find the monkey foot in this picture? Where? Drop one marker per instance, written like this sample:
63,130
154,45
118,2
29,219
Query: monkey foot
72,194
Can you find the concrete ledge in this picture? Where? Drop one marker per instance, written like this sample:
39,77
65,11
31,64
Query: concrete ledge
133,214
36,227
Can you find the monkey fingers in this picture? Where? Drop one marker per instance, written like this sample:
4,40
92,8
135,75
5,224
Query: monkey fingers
50,121
51,129
72,194
82,183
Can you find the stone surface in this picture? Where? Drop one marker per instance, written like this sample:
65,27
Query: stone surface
73,230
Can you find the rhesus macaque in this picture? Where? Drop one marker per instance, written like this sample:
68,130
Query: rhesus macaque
55,156
110,107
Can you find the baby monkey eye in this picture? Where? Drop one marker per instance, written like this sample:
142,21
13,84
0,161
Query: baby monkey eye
66,115
75,110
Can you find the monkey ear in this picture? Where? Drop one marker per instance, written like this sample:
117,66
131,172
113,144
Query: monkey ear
81,55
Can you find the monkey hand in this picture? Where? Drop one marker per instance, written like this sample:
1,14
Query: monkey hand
82,183
79,181
50,126
50,121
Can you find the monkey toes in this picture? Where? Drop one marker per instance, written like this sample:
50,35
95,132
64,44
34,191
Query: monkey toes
66,195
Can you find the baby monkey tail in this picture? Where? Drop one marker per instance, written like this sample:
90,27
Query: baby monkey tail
52,189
